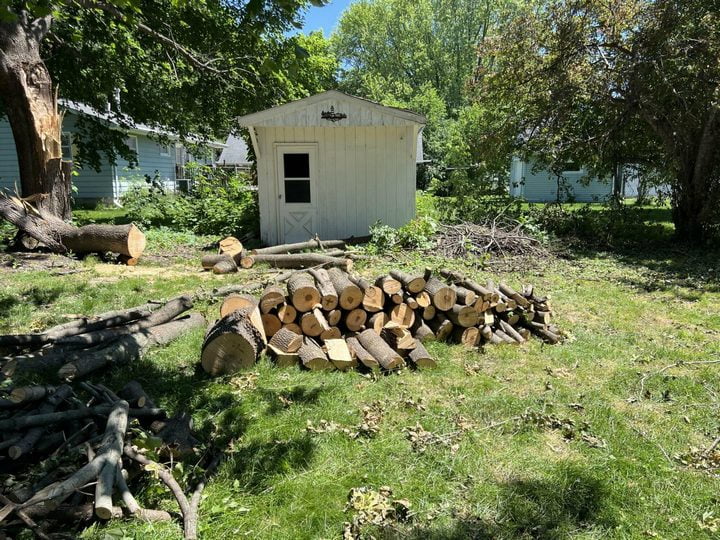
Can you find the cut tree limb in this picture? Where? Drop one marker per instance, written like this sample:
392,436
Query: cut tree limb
299,246
328,294
350,295
380,350
297,260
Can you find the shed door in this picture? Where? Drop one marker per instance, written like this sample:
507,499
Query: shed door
297,166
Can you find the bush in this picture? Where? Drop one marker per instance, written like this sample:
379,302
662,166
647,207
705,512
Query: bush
218,204
417,234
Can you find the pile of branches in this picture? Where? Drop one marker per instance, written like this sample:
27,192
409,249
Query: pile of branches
69,453
503,237
82,346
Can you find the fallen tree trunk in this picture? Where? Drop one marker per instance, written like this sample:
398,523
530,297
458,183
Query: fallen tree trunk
61,237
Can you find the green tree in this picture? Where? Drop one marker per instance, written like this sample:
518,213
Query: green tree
607,83
189,65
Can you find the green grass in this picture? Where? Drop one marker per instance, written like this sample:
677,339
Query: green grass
626,315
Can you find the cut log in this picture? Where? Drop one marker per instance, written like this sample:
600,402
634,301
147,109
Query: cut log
135,395
271,324
505,337
397,298
420,357
511,293
234,343
297,260
403,315
484,292
464,316
334,317
350,295
423,299
293,327
331,333
355,319
469,337
230,246
286,341
378,321
287,313
373,297
313,323
542,317
410,301
312,356
271,298
299,246
360,354
226,266
443,297
422,331
466,297
398,337
547,334
234,302
284,359
389,285
303,293
511,317
429,312
381,351
25,394
441,326
339,354
525,333
412,284
209,261
328,294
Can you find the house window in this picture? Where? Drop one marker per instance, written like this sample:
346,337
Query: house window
131,141
164,150
296,174
66,144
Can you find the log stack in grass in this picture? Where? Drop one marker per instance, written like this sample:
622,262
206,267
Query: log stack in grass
382,322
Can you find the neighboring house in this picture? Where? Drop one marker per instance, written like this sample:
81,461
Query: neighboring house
235,154
540,185
166,162
333,164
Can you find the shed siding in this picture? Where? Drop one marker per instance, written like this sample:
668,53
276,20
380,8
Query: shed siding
542,186
365,174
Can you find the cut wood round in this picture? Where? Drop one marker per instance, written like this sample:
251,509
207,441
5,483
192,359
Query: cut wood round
423,332
500,307
24,394
270,323
423,299
271,297
542,316
389,285
403,315
412,284
234,302
355,319
230,246
359,352
293,327
398,337
441,326
373,297
396,298
429,312
469,337
512,317
313,323
331,333
481,305
378,321
328,294
284,359
349,295
466,297
226,266
339,354
443,297
135,395
464,316
312,356
525,333
287,313
234,343
333,317
381,351
410,301
303,293
286,340
421,357
209,261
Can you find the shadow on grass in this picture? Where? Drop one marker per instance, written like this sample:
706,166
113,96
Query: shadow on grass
279,400
570,501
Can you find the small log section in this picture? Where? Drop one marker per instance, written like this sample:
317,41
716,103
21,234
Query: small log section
232,344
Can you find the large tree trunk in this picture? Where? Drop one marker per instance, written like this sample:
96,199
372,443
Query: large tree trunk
692,207
31,108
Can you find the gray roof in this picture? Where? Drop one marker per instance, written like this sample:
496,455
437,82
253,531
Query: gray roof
235,152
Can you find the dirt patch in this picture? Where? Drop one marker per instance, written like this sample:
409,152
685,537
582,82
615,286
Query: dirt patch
20,261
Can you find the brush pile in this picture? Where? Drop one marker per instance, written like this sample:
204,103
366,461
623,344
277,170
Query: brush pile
329,319
69,453
232,256
82,346
504,239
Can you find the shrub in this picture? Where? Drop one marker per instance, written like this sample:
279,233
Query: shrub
417,234
218,204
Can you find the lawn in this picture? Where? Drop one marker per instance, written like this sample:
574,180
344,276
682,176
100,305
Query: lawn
578,440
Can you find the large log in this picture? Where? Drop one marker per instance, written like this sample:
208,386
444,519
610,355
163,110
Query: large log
303,293
61,237
413,284
271,324
464,316
287,313
313,323
360,353
209,261
297,260
312,356
328,294
421,357
443,297
389,285
373,296
469,337
237,301
230,246
380,350
350,295
286,340
441,327
226,266
234,343
355,319
271,298
299,246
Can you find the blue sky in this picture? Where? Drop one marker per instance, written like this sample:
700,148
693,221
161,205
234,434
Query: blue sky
324,18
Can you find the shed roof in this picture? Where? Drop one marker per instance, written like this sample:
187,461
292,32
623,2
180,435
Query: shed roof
318,110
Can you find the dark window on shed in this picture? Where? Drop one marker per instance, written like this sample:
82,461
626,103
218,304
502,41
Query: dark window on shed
296,169
296,165
297,191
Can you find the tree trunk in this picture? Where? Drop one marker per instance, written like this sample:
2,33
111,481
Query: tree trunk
689,208
31,108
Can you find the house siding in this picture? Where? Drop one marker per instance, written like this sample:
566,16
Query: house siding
542,186
150,163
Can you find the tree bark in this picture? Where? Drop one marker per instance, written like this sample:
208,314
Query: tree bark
232,344
31,108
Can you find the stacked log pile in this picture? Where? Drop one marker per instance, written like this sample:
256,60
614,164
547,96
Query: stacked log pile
68,455
82,346
232,256
330,319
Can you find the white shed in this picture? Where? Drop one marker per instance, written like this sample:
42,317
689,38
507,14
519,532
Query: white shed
333,164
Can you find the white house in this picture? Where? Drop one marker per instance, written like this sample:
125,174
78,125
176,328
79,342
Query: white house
333,164
535,184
